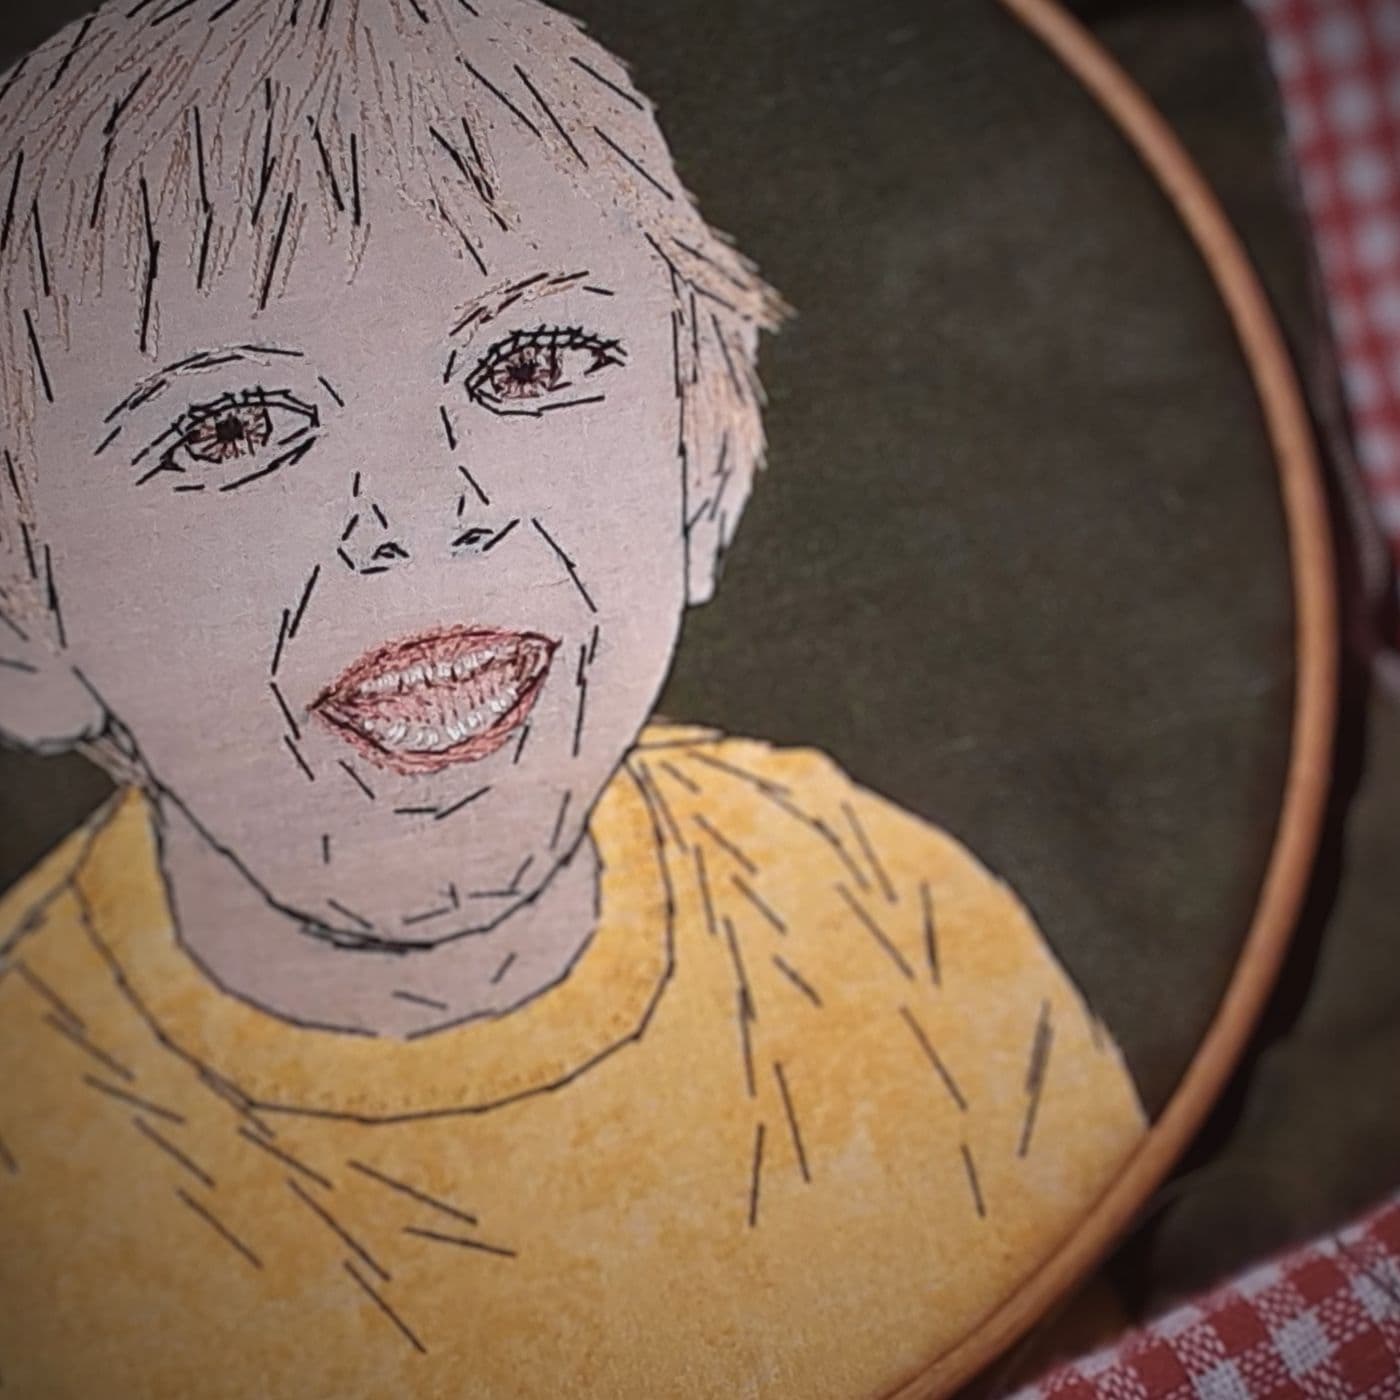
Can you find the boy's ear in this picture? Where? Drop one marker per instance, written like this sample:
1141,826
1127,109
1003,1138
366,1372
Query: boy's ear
44,706
704,559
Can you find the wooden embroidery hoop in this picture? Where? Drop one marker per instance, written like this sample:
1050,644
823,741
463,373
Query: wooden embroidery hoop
1315,697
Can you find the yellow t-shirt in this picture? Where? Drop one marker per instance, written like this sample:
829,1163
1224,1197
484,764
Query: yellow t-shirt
813,1101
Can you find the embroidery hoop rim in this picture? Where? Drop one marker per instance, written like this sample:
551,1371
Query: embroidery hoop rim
1315,697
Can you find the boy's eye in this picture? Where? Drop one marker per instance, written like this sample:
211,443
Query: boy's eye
526,373
541,364
231,433
234,440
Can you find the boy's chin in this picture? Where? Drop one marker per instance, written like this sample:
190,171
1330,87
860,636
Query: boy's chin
407,914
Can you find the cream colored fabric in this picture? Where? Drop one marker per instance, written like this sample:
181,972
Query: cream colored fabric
814,1099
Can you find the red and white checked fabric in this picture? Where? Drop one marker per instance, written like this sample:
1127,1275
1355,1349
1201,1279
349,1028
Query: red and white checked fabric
1321,1323
1338,68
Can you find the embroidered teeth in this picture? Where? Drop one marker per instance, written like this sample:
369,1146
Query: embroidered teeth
459,724
423,673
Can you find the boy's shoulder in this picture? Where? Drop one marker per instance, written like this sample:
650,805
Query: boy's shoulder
24,905
796,804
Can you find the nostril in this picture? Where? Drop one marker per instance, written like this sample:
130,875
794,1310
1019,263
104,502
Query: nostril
390,550
469,539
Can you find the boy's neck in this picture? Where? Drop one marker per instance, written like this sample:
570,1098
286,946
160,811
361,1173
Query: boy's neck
261,955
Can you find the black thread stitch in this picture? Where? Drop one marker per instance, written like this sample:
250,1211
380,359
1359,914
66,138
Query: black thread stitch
875,931
276,252
463,802
459,160
119,107
607,83
173,1152
496,92
793,1127
489,404
471,480
101,181
422,1001
39,247
349,1268
497,538
798,981
755,1177
409,920
350,914
704,882
869,851
412,1192
218,1227
579,716
296,754
73,49
13,475
152,265
15,76
731,938
286,1157
559,820
1035,1075
134,1100
10,204
930,933
503,969
332,1224
38,355
635,164
934,1058
37,984
459,1240
659,804
287,459
566,562
28,550
336,196
281,640
359,782
759,903
109,1063
721,840
354,175
728,361
549,113
305,599
971,1168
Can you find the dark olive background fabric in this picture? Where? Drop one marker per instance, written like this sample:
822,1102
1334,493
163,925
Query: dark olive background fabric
1018,562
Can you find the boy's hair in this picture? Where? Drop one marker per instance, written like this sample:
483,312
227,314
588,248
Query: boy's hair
163,145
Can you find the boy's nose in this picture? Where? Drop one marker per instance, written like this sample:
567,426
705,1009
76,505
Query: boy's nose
374,541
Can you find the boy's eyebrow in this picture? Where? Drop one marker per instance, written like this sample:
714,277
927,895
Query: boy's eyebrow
155,385
485,308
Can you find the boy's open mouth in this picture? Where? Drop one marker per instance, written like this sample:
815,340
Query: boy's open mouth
452,696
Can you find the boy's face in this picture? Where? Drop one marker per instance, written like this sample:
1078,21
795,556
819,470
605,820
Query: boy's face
457,560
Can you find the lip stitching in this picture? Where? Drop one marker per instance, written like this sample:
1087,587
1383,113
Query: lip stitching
338,702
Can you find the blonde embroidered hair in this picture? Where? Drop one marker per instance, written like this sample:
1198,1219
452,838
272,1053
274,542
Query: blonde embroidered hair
158,147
